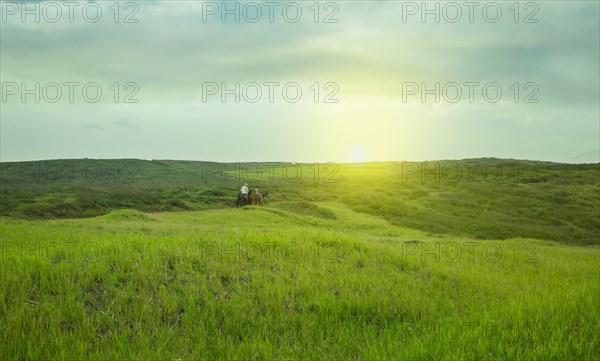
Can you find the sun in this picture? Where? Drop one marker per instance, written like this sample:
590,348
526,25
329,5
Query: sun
357,153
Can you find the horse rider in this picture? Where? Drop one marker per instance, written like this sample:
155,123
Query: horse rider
244,191
257,192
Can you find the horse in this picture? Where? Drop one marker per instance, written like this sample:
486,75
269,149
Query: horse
242,200
256,199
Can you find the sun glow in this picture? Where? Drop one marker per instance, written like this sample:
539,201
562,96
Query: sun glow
357,154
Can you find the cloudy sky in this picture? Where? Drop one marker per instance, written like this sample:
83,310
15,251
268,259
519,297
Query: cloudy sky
333,81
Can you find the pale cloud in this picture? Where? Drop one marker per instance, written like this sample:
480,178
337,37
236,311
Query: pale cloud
92,127
128,124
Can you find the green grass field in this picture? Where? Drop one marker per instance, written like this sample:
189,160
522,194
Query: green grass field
351,262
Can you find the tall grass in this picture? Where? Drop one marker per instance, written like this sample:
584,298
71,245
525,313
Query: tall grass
281,283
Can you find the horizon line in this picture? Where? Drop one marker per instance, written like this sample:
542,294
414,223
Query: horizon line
303,162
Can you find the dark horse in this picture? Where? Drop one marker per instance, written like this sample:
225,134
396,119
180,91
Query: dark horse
256,199
242,200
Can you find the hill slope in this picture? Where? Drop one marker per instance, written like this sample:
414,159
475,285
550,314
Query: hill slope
270,283
480,198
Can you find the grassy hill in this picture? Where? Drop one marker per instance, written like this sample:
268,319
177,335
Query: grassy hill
481,198
374,262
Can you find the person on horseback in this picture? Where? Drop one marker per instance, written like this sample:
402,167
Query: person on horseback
243,196
260,197
245,189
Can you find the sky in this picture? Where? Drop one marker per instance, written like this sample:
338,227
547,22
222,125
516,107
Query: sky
304,81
